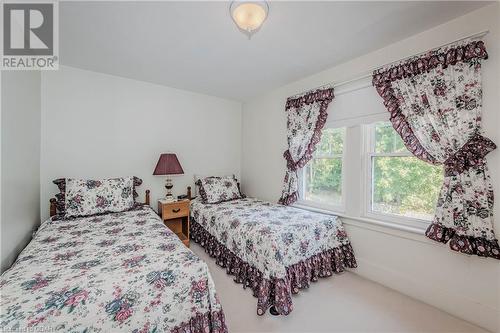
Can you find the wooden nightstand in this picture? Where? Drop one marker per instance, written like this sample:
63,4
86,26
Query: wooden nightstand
175,215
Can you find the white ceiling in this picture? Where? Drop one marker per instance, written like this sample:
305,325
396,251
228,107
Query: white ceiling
196,46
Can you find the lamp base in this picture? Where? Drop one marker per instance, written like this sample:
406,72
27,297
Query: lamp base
168,185
169,198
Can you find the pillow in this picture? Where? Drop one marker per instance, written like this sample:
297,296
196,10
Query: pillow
197,179
86,197
61,196
218,189
137,182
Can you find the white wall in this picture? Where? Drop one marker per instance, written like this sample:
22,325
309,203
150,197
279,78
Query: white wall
466,286
20,161
97,125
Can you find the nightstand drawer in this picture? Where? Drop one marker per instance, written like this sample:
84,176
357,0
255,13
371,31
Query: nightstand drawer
175,210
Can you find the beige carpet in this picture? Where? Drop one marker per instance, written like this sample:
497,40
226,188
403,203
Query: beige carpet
343,303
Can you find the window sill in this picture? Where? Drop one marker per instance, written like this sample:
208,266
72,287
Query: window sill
305,204
367,223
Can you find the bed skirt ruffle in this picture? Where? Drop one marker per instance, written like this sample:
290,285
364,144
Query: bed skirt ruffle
275,292
213,322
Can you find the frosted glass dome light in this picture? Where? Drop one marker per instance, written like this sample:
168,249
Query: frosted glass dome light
249,15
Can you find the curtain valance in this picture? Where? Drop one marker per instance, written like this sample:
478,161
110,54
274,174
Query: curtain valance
435,104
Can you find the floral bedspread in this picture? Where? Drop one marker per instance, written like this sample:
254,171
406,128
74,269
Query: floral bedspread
276,250
122,272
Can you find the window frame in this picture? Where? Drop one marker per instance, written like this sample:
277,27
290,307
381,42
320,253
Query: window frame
301,180
369,154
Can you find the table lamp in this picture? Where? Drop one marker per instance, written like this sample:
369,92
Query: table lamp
168,165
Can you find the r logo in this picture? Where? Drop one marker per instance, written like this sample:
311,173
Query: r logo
28,29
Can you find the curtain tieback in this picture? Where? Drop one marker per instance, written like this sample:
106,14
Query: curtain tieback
294,166
470,155
290,163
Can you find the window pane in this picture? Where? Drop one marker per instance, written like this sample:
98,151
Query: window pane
387,140
323,181
405,186
332,142
323,174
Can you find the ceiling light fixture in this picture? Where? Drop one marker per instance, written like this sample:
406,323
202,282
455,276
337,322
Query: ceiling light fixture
249,15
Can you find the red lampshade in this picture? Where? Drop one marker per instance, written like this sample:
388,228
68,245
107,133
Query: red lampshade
168,164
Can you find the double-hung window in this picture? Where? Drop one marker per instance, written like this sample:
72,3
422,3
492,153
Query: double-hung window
362,169
401,188
321,179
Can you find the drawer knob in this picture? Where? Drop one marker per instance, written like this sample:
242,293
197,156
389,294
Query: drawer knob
176,210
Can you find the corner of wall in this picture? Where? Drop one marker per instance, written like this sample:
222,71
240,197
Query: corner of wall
20,161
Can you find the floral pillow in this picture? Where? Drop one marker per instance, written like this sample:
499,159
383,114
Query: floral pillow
218,189
198,178
86,197
61,196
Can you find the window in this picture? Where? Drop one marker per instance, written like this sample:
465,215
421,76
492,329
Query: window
400,184
362,170
322,177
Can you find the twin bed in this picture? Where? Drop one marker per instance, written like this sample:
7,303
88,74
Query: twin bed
113,272
275,250
125,271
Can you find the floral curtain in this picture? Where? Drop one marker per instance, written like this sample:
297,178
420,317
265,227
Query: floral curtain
306,116
435,105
